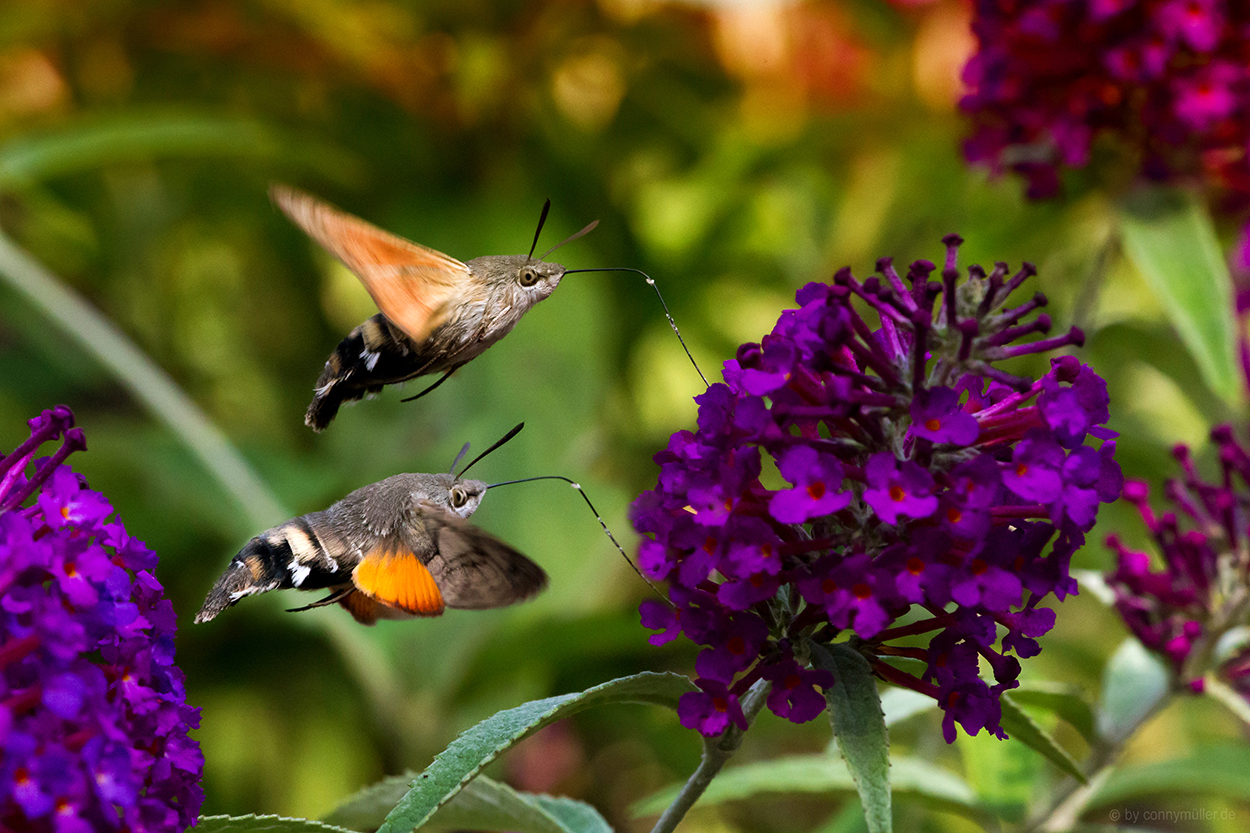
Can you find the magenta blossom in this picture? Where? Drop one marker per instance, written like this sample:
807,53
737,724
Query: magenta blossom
1168,79
93,713
1181,610
905,470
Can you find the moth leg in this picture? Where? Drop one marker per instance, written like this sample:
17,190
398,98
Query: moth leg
441,379
333,598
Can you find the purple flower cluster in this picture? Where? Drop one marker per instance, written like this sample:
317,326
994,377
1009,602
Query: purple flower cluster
93,714
1203,588
1169,78
906,476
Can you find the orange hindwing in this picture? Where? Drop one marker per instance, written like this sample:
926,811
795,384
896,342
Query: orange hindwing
398,580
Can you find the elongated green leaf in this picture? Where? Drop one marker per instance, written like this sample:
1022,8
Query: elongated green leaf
1023,728
573,816
1134,683
367,809
91,144
912,777
1004,774
859,726
898,704
1222,770
467,754
483,804
1065,701
1168,235
267,824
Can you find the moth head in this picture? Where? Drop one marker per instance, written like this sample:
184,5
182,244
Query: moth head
458,495
538,278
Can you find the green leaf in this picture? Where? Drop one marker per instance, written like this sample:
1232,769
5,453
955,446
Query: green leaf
572,815
1222,770
859,726
268,824
898,704
1023,728
467,754
1134,683
90,144
1170,238
1063,700
912,777
1004,774
483,804
367,809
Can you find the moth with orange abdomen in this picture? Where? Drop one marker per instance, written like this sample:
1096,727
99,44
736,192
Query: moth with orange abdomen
394,549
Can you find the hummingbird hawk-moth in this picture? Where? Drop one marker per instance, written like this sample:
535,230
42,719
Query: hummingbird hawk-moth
394,549
436,315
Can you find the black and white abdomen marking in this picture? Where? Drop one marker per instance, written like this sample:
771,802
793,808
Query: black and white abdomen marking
371,356
291,556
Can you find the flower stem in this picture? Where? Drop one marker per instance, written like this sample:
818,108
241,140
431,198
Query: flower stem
716,752
1070,800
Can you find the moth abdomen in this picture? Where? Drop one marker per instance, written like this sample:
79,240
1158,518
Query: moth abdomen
288,556
371,356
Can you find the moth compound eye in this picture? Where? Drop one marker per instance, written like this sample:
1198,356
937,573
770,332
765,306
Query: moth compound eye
528,277
459,497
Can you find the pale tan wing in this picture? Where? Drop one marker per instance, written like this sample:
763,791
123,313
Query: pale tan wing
473,569
410,283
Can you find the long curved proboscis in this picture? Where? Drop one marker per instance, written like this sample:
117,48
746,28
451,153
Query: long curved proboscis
598,518
667,314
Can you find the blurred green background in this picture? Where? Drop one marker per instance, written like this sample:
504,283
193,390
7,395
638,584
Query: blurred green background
732,151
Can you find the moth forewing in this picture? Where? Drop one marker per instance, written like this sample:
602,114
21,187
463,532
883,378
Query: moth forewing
476,571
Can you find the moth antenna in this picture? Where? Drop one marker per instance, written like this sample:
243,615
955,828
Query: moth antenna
589,228
463,451
598,518
502,440
542,218
667,314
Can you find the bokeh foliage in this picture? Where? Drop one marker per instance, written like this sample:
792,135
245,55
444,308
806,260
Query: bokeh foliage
733,152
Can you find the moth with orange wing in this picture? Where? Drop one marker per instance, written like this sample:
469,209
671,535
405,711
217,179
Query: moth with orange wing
394,549
436,313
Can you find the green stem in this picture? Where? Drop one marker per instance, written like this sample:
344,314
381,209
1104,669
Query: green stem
1069,802
150,384
716,752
